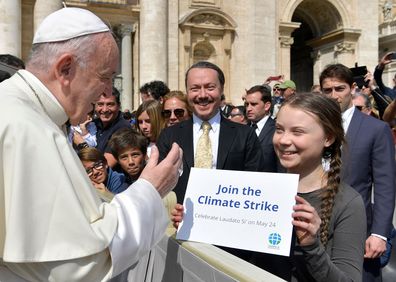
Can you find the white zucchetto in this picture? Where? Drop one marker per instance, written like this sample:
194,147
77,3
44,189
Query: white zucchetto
68,23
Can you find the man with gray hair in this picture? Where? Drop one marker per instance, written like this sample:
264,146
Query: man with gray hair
53,227
362,102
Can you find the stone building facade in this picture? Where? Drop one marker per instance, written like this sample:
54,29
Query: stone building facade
249,39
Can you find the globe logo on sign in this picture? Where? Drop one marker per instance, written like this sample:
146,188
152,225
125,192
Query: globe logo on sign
274,239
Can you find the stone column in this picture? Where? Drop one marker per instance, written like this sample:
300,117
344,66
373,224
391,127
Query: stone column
126,66
153,49
286,41
10,27
317,65
43,8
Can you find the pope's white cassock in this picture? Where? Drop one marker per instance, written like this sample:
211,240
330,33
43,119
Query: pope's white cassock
52,224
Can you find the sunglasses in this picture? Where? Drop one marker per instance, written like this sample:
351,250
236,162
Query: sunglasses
338,89
178,113
98,165
360,108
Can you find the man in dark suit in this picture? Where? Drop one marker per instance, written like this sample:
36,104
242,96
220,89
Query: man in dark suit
368,163
258,105
234,146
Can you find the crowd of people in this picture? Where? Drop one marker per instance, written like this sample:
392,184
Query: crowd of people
338,138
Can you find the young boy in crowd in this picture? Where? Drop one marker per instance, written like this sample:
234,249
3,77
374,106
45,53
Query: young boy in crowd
106,181
129,148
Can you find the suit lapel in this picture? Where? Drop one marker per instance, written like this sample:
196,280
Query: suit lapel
225,141
186,141
353,128
351,139
266,129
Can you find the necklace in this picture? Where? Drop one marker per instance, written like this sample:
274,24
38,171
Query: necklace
34,92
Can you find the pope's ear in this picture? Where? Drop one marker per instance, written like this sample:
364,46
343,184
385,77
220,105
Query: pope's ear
64,68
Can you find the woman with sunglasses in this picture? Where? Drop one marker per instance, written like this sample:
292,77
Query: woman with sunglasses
106,181
175,108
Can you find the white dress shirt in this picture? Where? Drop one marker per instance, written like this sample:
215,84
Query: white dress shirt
260,124
347,117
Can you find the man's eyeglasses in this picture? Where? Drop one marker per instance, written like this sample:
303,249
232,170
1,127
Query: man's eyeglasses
276,89
235,115
178,113
338,89
98,165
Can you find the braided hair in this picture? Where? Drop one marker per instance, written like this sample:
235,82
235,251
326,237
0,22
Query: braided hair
328,114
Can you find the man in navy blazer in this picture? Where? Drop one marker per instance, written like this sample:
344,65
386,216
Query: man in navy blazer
234,146
258,105
368,164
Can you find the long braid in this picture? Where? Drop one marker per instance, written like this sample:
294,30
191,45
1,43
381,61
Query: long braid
328,114
329,193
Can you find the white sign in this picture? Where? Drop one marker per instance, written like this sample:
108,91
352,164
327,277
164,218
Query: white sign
240,209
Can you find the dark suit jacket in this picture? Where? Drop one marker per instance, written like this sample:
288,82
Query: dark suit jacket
369,163
271,162
239,149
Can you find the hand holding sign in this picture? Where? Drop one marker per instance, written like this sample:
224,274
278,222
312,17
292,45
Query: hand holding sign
177,215
307,222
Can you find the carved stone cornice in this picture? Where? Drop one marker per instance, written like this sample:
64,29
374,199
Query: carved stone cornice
125,29
286,41
208,19
315,55
344,47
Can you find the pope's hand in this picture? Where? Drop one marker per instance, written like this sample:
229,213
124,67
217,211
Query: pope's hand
164,175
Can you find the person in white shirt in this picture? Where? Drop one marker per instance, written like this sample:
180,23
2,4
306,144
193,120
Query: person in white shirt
53,227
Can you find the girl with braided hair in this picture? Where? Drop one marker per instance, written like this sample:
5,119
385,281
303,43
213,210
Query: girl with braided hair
329,216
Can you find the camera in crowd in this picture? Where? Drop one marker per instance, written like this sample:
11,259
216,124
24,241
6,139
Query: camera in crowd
359,76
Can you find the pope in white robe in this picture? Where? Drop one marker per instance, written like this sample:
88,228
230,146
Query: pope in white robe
53,227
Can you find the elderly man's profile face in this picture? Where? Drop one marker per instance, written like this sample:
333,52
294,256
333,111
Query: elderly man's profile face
94,79
204,92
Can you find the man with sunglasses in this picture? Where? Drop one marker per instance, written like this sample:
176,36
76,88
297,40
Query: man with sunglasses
238,115
277,100
362,102
368,164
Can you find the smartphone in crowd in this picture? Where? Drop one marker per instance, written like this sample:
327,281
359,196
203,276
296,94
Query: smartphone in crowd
358,76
